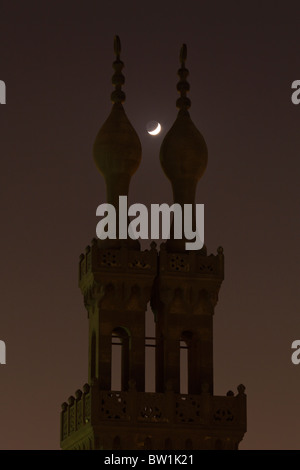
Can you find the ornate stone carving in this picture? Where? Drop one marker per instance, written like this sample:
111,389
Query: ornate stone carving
150,407
110,258
113,405
188,409
178,263
206,268
223,415
137,263
150,413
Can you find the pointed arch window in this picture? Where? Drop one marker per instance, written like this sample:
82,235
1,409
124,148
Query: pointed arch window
187,362
184,386
120,359
150,346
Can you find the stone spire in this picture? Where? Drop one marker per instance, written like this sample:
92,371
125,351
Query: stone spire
183,103
117,148
183,153
118,79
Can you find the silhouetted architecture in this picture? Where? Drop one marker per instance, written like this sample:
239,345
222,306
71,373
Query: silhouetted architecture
118,280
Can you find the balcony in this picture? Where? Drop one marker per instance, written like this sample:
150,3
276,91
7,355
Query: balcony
131,408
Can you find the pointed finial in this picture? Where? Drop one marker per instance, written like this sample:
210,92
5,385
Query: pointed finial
117,47
183,54
118,79
183,103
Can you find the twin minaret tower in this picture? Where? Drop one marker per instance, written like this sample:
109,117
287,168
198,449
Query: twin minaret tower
118,281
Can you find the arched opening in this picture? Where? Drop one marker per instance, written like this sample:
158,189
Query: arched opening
117,443
187,363
119,359
150,345
184,377
93,356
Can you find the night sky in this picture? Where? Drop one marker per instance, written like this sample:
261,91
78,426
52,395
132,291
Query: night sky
56,60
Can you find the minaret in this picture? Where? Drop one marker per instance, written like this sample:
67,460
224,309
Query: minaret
183,153
117,149
116,278
188,283
118,281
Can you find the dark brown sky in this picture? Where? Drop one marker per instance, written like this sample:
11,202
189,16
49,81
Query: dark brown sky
55,58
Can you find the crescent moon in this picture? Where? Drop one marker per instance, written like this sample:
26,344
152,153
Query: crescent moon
156,131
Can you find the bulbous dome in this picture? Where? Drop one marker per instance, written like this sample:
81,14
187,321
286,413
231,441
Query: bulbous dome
117,148
183,153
